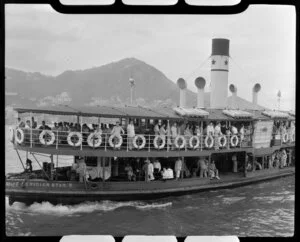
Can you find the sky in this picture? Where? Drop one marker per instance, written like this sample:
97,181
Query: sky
262,45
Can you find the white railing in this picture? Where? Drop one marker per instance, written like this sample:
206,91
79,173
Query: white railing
143,142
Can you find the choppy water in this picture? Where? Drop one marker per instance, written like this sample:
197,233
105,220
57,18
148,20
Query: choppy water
264,209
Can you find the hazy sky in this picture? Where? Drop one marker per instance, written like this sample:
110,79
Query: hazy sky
262,45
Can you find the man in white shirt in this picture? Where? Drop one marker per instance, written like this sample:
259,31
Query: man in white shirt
117,130
178,168
210,129
156,129
130,134
167,174
174,133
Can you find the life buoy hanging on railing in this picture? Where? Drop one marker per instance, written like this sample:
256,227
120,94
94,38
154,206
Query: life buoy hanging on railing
234,140
293,137
44,137
11,134
222,141
163,142
19,136
209,139
94,140
113,144
135,139
73,135
285,137
191,142
183,142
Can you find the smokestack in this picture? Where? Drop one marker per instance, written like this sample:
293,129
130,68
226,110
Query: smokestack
219,73
200,84
181,83
233,90
255,91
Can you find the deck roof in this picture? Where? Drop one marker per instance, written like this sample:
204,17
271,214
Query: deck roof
138,112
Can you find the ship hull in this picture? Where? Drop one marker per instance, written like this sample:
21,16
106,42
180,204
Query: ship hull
56,192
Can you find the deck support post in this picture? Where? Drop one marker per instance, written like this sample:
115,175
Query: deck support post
52,166
263,162
31,130
201,136
103,168
57,166
168,134
245,165
81,131
183,166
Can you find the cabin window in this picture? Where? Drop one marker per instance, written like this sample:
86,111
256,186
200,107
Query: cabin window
143,122
151,121
123,122
91,161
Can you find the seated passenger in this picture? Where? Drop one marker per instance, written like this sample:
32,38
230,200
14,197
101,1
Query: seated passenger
257,164
21,124
234,130
213,171
28,166
130,175
44,126
34,123
167,174
156,129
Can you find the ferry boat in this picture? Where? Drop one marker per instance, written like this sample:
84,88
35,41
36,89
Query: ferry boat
113,166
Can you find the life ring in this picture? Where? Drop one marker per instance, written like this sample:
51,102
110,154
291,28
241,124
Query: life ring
223,137
285,137
76,134
179,137
20,139
11,134
94,139
293,137
211,144
120,141
232,142
191,142
163,142
135,144
45,141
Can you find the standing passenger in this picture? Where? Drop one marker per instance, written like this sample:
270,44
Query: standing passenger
173,133
178,168
130,134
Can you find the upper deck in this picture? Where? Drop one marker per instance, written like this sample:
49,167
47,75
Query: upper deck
258,134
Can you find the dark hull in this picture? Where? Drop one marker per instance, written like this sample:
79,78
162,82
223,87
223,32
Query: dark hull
129,191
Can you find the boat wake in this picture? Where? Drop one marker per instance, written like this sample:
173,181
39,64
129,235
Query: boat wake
86,207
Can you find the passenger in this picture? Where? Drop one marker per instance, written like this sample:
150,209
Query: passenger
249,166
130,134
117,130
173,133
257,164
167,174
81,170
234,130
178,168
28,166
198,131
217,133
20,124
210,129
270,162
34,123
28,124
234,164
187,133
213,171
169,138
283,159
181,128
156,166
130,175
203,167
44,126
156,129
223,128
242,132
148,170
163,131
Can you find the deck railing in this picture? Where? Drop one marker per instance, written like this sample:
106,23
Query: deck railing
142,142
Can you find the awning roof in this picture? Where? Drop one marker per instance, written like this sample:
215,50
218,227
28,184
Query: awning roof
191,112
239,114
106,111
276,114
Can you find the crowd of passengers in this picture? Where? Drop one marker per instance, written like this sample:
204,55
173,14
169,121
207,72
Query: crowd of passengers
283,127
168,131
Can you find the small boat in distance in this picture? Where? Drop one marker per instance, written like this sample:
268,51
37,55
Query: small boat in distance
135,152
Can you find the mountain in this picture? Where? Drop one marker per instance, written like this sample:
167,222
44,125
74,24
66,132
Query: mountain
100,85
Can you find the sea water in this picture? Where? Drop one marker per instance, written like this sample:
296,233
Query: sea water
264,209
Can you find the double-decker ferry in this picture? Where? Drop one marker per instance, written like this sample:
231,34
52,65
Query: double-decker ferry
134,152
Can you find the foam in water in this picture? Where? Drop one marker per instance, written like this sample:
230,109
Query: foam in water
86,207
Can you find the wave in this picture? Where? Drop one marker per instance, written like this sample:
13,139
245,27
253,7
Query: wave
86,207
